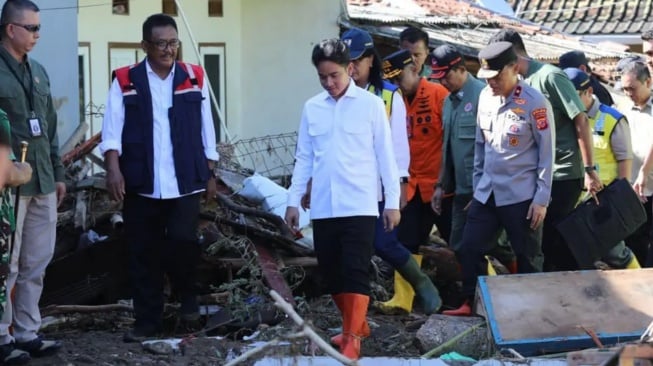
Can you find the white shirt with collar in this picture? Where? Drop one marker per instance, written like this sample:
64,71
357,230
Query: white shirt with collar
344,145
165,178
640,122
399,135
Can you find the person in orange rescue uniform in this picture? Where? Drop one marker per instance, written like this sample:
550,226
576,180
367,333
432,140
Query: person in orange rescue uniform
424,101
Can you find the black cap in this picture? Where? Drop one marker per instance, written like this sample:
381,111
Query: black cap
358,41
572,59
395,63
494,57
578,77
443,59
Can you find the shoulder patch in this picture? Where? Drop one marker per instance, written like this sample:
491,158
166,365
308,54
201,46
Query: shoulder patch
541,120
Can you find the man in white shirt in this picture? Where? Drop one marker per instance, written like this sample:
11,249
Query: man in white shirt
159,146
636,84
344,144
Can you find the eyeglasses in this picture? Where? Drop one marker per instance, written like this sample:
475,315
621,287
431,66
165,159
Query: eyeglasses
163,44
32,28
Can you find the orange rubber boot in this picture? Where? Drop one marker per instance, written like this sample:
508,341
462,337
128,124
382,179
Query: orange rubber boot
464,310
337,339
353,325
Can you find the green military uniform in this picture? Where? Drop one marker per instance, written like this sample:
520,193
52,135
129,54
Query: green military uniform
556,87
459,121
568,164
43,153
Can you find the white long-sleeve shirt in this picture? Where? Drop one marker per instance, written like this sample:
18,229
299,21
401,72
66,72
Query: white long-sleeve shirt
399,137
165,177
400,134
343,145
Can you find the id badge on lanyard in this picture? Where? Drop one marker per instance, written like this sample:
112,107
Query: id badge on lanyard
34,125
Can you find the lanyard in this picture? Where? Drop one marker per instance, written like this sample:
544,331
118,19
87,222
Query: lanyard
29,94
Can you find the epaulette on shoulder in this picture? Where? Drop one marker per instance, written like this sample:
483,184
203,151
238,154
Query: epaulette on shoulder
611,111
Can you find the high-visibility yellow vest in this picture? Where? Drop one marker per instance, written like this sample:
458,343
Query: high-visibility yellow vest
386,94
603,125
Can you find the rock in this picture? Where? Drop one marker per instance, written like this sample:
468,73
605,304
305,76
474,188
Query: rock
158,348
439,329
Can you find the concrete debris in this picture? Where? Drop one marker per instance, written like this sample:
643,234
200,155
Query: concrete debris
439,329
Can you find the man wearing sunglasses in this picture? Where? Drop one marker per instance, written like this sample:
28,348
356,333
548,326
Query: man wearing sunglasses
159,147
26,97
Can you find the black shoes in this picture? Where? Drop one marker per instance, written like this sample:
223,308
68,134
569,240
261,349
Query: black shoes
20,353
10,355
39,347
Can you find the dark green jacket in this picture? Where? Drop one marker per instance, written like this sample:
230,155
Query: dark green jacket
43,151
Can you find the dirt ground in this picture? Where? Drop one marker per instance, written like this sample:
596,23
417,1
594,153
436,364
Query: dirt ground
96,339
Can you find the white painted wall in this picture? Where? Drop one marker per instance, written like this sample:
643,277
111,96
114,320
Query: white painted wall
268,45
278,76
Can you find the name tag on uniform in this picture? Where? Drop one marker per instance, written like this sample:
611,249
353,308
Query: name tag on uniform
35,127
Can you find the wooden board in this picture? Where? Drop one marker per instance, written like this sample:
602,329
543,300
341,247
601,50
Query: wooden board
550,312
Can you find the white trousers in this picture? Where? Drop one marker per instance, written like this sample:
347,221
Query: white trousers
36,227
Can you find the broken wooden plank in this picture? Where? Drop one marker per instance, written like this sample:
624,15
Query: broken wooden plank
271,273
81,150
546,312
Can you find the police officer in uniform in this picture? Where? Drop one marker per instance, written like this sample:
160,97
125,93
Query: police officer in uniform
512,168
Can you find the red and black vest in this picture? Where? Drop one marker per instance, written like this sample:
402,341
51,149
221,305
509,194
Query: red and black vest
185,116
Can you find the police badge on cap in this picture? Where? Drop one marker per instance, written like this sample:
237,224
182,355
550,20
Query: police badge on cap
494,57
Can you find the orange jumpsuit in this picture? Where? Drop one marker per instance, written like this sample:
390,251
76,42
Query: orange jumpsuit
425,135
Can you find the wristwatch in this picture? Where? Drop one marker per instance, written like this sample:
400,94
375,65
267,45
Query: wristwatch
589,169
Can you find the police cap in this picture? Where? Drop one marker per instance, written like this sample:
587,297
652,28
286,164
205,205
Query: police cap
494,57
395,63
578,77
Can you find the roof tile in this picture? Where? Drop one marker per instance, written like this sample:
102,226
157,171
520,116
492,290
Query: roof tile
614,16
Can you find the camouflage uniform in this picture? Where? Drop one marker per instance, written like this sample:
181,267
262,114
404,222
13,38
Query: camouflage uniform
7,224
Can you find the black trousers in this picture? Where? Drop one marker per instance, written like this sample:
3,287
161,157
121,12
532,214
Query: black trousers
564,197
162,238
483,224
640,241
417,220
344,247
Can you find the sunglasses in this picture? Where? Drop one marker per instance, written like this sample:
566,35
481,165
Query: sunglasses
32,28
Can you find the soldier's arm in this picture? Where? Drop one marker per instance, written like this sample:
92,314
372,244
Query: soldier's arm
53,122
562,92
446,178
